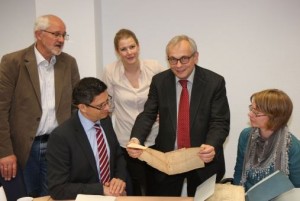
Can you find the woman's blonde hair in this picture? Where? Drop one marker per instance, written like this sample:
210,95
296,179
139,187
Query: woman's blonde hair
124,33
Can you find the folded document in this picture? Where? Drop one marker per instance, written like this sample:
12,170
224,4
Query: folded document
173,162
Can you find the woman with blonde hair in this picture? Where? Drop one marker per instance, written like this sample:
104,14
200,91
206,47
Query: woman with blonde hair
128,81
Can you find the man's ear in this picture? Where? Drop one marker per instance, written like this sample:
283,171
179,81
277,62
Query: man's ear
196,57
82,107
38,34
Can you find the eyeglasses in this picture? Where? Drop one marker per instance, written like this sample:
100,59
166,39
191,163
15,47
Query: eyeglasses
255,112
183,59
102,106
57,35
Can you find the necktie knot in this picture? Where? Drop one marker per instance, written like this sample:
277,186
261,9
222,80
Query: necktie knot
183,83
96,126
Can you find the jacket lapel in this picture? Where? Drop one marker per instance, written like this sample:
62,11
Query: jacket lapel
197,93
84,142
31,65
171,97
59,75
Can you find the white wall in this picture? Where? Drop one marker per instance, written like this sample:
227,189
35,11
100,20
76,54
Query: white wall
253,44
16,20
79,17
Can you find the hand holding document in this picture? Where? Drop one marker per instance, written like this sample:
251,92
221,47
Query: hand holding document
173,162
136,146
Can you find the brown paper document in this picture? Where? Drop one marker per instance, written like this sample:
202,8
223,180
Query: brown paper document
228,192
210,191
173,162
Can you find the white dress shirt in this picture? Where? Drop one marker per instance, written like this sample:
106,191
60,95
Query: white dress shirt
47,86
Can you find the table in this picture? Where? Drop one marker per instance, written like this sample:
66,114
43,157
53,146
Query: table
224,192
131,198
146,198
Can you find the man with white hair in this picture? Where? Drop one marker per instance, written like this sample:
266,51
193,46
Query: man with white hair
36,86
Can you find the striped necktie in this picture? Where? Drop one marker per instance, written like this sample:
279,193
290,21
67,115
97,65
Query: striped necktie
103,155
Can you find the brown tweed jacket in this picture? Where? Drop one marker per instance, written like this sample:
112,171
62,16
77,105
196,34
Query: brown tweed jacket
20,99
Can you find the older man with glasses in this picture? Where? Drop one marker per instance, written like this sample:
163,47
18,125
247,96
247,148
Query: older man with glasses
36,86
193,112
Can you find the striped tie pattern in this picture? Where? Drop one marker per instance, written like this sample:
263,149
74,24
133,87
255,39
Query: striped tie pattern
183,129
103,156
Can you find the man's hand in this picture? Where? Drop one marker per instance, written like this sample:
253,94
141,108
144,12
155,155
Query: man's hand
207,153
8,167
134,153
116,187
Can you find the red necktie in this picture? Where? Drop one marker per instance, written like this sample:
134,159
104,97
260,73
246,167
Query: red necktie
183,129
103,156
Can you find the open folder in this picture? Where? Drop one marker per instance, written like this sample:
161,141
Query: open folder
270,187
173,162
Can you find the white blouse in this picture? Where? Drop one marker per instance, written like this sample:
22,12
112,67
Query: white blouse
129,101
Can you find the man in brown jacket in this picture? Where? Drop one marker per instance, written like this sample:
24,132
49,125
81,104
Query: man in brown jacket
36,86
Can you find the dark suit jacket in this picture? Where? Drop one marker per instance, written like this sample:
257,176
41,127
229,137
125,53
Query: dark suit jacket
209,115
20,99
71,164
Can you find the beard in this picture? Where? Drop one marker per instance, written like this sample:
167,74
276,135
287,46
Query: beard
55,49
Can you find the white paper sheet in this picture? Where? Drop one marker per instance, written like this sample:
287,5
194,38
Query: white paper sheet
82,197
206,189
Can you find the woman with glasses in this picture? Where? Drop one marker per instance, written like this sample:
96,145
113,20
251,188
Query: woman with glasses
267,145
128,80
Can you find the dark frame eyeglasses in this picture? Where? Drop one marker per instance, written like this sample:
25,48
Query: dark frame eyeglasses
101,107
183,59
57,35
255,112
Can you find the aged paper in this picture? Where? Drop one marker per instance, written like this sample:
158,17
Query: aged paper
173,162
136,146
228,192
